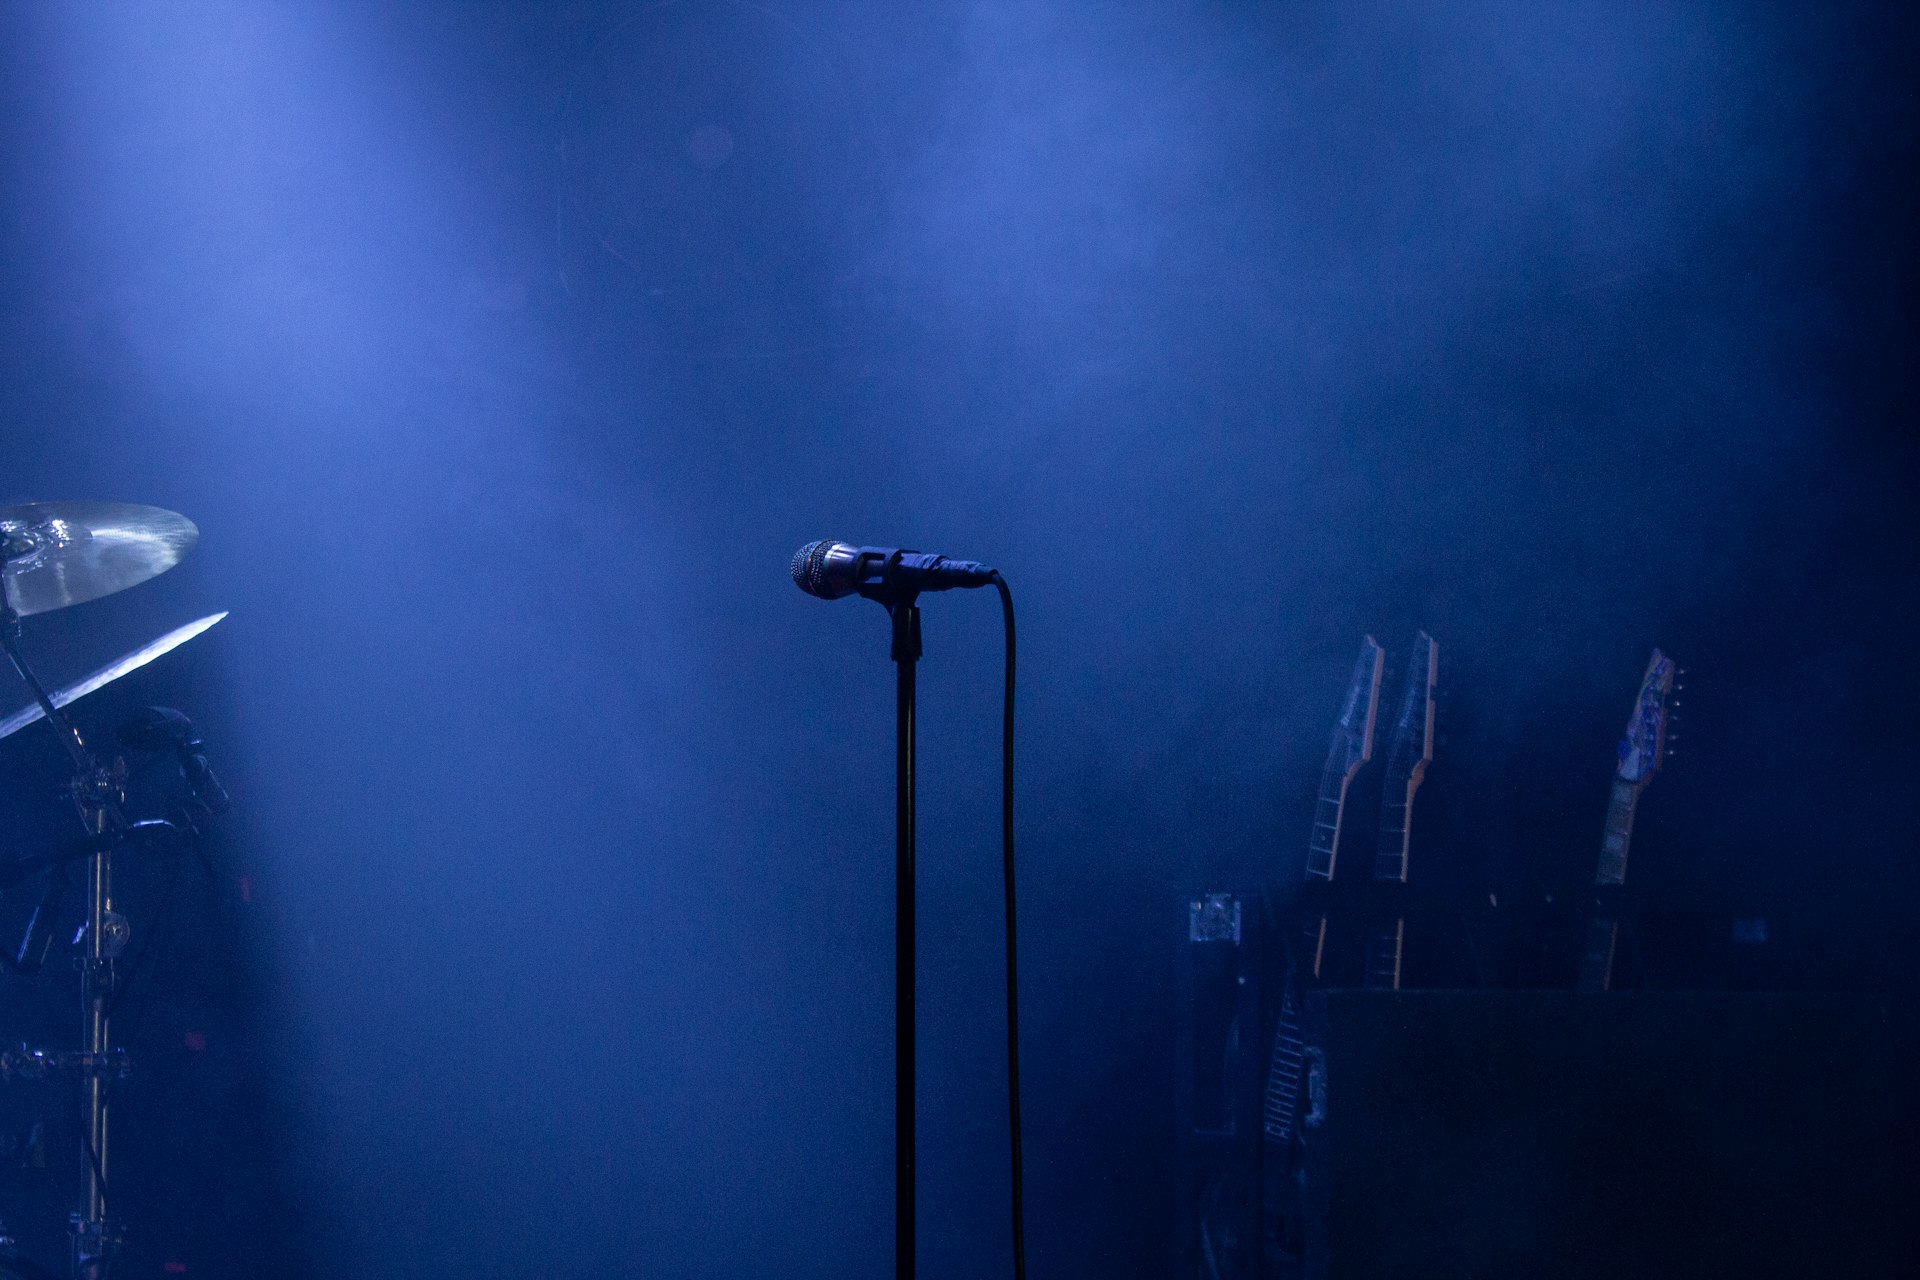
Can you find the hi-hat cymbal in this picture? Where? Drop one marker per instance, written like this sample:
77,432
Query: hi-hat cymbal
108,674
62,553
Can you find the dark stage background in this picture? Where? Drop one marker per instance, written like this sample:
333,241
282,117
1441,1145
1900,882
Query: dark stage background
504,353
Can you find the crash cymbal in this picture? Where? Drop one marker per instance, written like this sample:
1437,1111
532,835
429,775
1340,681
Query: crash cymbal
108,674
62,553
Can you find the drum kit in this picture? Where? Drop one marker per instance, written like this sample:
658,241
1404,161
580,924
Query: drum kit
53,555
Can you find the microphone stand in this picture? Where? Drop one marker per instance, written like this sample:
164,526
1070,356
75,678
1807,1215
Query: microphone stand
97,792
905,653
893,578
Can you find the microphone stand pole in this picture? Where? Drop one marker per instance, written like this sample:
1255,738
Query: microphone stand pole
906,652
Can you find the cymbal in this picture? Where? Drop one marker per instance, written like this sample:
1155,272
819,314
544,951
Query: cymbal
62,553
108,674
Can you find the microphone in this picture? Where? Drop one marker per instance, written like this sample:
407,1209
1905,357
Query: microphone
834,569
164,729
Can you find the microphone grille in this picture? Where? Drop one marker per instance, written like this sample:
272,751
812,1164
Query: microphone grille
809,567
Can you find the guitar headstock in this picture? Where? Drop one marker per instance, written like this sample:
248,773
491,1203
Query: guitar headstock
1416,709
1644,744
1355,728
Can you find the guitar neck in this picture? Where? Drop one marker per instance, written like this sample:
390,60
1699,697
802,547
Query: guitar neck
1407,762
1396,825
1406,767
1596,966
1350,748
1286,1070
1384,949
1328,811
1603,932
1612,868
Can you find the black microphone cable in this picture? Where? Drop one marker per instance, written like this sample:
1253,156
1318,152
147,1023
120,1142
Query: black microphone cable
1013,965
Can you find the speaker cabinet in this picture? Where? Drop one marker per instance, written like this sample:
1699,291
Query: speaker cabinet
1529,1134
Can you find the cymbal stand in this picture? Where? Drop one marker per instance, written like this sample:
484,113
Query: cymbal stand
97,791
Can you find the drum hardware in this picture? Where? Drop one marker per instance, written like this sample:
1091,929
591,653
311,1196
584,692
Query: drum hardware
37,1064
14,1267
154,834
53,555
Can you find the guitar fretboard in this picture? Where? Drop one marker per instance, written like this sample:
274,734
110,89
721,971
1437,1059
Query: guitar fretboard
1406,767
1350,747
1596,966
1612,867
1324,846
1384,946
1407,761
1286,1070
